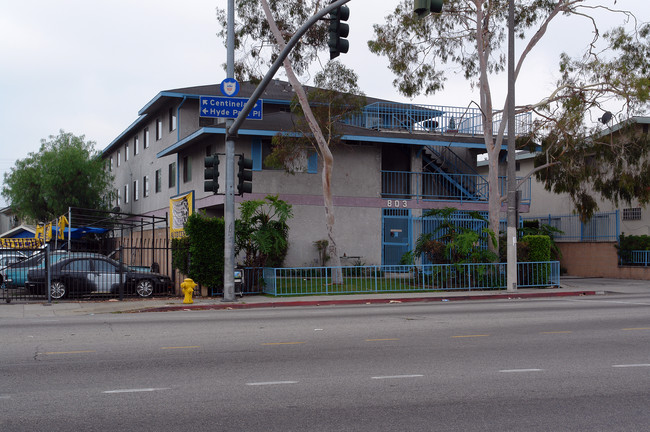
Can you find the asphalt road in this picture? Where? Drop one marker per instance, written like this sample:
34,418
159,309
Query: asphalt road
533,365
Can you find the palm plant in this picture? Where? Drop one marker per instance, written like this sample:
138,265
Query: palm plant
262,232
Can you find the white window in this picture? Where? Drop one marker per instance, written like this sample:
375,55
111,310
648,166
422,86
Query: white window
158,129
146,137
119,197
172,119
110,164
126,193
187,169
136,191
119,157
632,213
172,174
126,152
145,185
136,145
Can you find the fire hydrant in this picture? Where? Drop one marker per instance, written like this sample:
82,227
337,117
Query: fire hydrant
188,288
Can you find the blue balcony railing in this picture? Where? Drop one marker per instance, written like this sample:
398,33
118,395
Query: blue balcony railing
442,186
431,118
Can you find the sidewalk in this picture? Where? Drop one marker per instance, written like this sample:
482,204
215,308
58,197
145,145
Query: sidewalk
570,286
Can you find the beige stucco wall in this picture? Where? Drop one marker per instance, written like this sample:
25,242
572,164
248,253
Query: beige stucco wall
597,260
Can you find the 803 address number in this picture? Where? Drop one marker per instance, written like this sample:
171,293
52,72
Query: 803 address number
397,203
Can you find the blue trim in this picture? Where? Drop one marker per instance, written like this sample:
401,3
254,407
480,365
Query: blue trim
411,141
178,173
269,133
256,153
172,149
312,163
178,119
163,94
126,132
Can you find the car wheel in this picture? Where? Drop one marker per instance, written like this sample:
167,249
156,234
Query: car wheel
144,288
58,290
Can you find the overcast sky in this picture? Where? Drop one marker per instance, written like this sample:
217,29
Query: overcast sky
87,67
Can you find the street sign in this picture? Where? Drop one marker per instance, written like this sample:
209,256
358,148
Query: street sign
227,107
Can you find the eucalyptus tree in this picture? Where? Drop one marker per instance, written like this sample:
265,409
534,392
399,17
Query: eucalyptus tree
470,37
262,30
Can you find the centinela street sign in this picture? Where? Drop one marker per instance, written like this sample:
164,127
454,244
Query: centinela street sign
227,107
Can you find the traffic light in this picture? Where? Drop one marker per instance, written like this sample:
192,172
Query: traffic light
424,7
211,175
244,176
338,31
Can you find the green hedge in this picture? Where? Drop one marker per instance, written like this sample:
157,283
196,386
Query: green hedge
200,255
634,242
539,247
181,254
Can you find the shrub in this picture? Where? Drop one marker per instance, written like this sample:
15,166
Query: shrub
206,249
539,247
181,254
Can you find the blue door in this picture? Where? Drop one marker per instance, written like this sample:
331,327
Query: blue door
396,237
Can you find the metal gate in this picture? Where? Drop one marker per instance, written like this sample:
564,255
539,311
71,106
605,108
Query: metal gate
397,226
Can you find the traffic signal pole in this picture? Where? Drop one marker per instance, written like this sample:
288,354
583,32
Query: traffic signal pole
232,127
229,207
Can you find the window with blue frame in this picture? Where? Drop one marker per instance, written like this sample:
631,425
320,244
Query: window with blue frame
261,148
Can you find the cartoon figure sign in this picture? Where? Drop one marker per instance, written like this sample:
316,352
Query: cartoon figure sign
181,207
229,87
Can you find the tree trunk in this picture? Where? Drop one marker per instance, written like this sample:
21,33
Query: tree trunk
323,148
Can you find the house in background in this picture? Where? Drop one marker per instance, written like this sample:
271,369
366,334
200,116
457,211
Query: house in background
588,249
396,161
8,220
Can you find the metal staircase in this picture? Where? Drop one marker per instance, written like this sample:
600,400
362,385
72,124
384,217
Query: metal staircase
452,176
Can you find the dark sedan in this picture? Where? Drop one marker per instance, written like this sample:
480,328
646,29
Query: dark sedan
86,275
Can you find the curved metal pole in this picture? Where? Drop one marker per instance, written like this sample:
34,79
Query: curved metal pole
278,62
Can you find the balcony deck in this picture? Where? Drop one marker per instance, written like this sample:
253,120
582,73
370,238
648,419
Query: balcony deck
443,187
437,119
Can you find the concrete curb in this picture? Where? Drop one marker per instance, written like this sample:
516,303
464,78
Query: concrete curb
343,302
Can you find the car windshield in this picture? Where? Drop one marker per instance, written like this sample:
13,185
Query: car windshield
37,259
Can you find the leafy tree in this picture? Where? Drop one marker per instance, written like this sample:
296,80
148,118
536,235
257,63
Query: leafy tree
261,32
470,37
65,172
262,232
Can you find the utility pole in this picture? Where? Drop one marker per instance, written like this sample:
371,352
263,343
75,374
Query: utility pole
233,125
511,231
229,206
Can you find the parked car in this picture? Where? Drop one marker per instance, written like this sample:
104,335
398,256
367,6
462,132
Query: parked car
8,260
16,274
85,275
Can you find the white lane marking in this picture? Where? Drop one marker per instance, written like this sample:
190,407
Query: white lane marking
610,301
631,365
520,370
135,390
396,376
271,383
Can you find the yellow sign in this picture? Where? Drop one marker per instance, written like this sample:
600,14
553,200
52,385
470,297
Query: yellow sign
180,208
44,232
20,243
